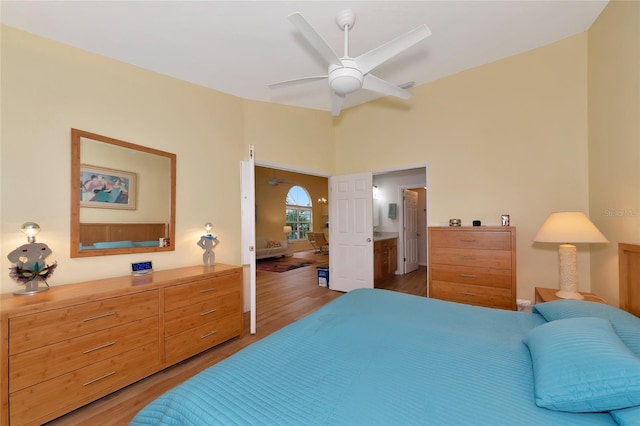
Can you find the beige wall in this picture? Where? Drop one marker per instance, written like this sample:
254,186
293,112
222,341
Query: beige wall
511,137
506,137
290,137
614,138
49,88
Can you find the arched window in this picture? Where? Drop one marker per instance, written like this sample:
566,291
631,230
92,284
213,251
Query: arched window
298,213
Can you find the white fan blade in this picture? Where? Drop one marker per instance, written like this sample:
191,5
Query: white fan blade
296,81
371,82
314,38
368,61
337,101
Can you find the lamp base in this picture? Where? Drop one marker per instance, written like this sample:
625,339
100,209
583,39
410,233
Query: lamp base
31,287
30,290
564,294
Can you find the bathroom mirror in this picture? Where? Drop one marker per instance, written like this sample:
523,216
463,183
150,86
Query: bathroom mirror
123,197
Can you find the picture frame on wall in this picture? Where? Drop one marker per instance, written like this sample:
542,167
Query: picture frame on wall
107,188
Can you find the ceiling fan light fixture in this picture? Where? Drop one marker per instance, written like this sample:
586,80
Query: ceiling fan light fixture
345,84
344,80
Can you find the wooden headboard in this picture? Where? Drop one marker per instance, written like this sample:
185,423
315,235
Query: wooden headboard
91,233
629,262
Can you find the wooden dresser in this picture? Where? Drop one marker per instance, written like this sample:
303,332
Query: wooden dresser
75,343
473,265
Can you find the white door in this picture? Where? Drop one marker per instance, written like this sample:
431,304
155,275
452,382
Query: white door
248,217
351,232
411,257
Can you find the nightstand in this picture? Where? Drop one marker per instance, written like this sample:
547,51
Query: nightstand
544,294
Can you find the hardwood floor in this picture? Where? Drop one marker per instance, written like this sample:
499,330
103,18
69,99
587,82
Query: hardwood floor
282,298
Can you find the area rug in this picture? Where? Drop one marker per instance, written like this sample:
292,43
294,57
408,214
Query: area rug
281,265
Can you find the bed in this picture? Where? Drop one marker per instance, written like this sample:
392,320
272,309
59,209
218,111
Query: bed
121,235
376,357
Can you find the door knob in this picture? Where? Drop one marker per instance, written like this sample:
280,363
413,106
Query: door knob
368,240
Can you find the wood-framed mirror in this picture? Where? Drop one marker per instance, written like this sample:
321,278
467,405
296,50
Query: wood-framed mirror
123,197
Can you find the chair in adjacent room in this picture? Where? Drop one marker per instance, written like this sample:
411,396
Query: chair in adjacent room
318,242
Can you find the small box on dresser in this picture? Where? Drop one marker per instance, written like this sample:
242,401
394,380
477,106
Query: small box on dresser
76,343
473,265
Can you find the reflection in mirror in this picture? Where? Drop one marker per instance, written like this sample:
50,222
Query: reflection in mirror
123,197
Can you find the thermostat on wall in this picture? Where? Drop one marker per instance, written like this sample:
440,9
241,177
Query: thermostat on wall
141,268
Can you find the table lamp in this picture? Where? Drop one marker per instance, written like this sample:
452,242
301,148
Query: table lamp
568,228
29,267
208,242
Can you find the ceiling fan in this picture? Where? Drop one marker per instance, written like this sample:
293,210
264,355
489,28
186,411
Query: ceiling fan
347,74
276,181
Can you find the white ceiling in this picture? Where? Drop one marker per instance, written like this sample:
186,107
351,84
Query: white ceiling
238,47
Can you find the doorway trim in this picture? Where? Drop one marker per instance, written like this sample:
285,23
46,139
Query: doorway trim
283,167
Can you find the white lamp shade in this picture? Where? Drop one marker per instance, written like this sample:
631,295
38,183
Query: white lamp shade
286,229
569,227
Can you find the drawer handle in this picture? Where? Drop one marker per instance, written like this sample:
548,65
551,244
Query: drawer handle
208,334
99,378
208,312
468,293
468,241
208,290
108,314
468,275
106,345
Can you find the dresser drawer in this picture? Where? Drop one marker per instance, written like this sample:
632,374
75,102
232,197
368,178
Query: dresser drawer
29,368
43,401
41,329
197,314
486,240
499,278
200,338
471,294
182,295
496,259
388,243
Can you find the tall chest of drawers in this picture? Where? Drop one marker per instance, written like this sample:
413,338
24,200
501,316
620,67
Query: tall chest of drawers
473,265
75,343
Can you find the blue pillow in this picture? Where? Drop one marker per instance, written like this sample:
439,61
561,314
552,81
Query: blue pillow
153,243
626,325
113,244
627,416
581,365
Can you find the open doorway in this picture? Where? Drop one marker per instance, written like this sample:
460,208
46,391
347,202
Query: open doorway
289,206
273,184
414,228
391,214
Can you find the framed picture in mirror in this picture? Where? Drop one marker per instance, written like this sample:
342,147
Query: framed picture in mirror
107,188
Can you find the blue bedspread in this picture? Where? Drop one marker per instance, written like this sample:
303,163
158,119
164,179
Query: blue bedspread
374,357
